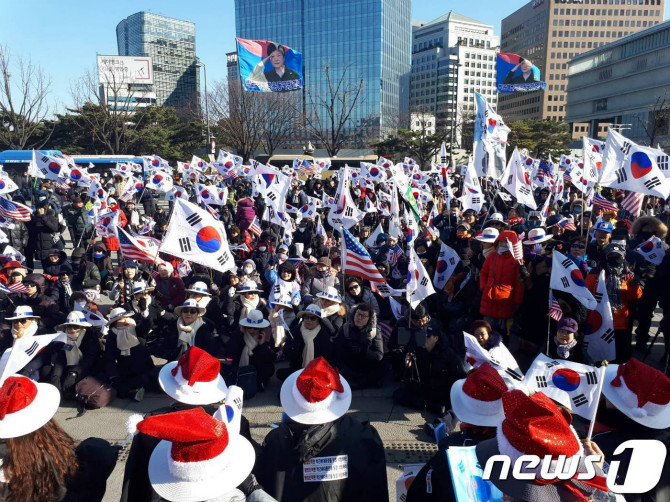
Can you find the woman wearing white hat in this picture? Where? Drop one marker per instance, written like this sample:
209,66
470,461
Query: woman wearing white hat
40,461
24,327
189,329
76,358
257,350
332,307
237,303
128,364
310,338
199,292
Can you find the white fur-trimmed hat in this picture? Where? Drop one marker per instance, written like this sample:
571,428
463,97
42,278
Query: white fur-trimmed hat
25,406
194,379
316,394
477,399
198,459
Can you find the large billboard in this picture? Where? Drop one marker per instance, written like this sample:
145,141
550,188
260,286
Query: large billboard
125,70
515,74
267,66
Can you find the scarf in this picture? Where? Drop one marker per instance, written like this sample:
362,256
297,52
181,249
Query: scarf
187,332
74,355
308,335
126,338
250,343
204,301
613,283
32,329
328,311
487,251
248,305
278,328
564,350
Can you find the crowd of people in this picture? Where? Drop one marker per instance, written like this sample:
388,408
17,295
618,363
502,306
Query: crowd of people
202,336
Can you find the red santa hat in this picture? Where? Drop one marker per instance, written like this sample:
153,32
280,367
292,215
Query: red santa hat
640,392
315,395
25,406
477,399
535,425
197,458
194,379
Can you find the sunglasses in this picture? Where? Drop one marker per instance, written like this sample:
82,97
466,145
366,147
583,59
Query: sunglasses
190,311
30,284
578,246
21,321
310,318
354,288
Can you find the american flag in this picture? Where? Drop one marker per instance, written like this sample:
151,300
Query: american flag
209,210
386,329
599,200
357,260
255,227
555,311
566,177
567,224
133,249
17,287
14,210
633,203
62,184
395,254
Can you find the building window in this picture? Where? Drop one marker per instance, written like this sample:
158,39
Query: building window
600,105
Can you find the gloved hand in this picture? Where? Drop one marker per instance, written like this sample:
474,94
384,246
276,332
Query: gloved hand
231,291
70,380
142,304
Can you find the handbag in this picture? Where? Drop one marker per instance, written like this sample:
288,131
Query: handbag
92,394
497,292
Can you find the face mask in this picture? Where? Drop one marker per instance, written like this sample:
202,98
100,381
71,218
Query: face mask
248,270
501,248
98,255
615,260
301,229
79,306
577,210
262,248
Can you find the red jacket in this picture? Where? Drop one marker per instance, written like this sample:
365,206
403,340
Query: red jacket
112,243
499,283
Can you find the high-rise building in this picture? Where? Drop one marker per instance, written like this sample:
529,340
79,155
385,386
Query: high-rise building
452,57
551,32
232,66
624,83
370,39
171,45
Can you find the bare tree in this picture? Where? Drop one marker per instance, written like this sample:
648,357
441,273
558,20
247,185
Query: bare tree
328,114
657,123
107,103
240,116
23,104
282,120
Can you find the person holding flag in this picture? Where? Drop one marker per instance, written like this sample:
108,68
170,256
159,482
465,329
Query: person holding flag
568,344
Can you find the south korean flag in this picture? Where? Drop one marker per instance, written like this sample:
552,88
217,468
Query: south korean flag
599,332
447,260
193,234
573,385
566,276
652,250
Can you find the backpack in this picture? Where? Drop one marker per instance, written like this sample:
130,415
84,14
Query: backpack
92,394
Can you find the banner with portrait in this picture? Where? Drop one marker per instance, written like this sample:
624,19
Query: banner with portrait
267,66
515,74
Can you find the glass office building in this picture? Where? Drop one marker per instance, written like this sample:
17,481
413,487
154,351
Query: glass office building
171,45
371,39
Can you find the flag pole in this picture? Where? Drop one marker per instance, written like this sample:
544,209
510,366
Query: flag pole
603,367
548,323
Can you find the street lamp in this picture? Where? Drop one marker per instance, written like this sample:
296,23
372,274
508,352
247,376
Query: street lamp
454,95
209,133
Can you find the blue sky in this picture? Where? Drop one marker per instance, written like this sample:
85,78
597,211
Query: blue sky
63,37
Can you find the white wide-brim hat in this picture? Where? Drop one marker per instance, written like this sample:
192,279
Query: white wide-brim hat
488,235
199,394
189,304
338,406
473,412
537,236
659,421
237,461
32,417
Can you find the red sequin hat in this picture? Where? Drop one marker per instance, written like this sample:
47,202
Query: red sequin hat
194,378
477,399
315,395
198,459
640,392
25,406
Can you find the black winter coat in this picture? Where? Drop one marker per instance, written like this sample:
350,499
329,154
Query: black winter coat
323,345
41,229
288,448
97,459
206,338
18,236
90,350
139,361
